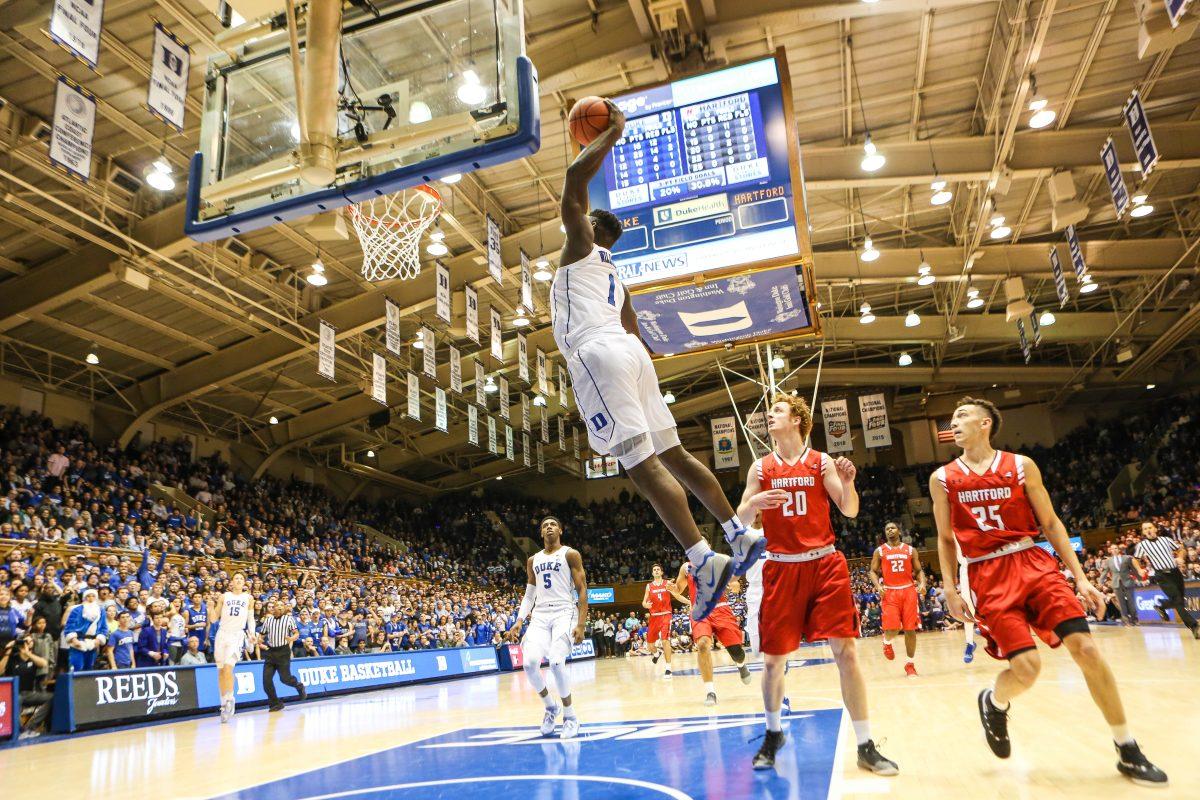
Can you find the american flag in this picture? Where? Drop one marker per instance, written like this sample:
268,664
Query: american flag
944,434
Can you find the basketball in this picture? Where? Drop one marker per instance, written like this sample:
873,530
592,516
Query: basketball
588,119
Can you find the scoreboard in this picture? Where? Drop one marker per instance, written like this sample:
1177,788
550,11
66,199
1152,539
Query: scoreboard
702,179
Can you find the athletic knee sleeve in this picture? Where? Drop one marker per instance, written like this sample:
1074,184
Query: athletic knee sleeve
736,653
559,670
533,671
633,451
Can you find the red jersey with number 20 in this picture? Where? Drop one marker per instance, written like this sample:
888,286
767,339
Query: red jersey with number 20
660,598
990,510
802,522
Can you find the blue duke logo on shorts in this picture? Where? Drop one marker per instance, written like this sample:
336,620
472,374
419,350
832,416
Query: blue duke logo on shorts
599,422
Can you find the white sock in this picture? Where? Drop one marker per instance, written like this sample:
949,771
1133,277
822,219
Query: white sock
886,641
862,730
992,699
910,660
708,687
697,552
569,712
548,701
774,723
969,633
733,528
1121,734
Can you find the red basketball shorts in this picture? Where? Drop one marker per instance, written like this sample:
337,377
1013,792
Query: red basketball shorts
900,609
1016,592
806,601
721,625
659,628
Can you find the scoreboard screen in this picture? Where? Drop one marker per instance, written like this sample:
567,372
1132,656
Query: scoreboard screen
702,177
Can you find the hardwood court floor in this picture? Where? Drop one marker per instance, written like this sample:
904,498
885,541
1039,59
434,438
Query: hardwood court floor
648,736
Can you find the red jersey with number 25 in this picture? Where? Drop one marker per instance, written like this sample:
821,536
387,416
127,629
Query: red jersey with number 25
990,510
660,598
802,522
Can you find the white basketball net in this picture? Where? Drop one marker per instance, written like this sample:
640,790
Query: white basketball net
389,229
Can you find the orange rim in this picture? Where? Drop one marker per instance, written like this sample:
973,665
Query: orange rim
375,221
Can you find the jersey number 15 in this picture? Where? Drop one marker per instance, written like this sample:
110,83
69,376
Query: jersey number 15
796,504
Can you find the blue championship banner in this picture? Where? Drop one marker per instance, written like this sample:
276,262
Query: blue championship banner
765,304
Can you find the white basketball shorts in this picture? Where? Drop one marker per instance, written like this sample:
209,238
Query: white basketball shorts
227,650
549,636
617,392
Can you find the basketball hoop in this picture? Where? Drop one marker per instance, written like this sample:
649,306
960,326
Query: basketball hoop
389,228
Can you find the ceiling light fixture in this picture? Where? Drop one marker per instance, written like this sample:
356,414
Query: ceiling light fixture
941,195
1140,207
419,342
778,363
317,277
158,175
669,398
1089,285
370,454
541,270
869,253
974,301
437,244
867,317
92,358
521,319
904,360
1038,104
274,420
926,274
489,385
872,158
539,401
912,320
1150,385
419,112
1047,318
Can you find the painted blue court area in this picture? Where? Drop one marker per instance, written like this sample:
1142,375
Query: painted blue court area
689,758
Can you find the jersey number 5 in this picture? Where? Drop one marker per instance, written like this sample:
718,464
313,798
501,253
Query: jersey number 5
546,579
796,504
985,513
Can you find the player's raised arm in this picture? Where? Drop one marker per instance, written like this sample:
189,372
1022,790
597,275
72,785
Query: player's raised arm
575,562
755,499
574,206
947,549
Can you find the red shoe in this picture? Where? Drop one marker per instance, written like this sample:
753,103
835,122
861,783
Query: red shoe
910,670
888,652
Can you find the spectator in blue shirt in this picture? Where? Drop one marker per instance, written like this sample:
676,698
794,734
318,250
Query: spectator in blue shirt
121,644
147,576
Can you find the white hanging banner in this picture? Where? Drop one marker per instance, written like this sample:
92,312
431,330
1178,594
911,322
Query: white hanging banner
1116,182
75,25
497,335
472,314
526,283
509,452
455,370
542,377
1036,328
443,291
545,427
379,379
1139,131
526,456
495,266
439,409
74,127
504,412
541,459
1060,281
480,393
1077,261
522,358
1025,348
414,396
562,384
326,349
562,433
429,353
725,443
473,424
391,327
575,442
873,411
169,67
525,421
837,426
492,434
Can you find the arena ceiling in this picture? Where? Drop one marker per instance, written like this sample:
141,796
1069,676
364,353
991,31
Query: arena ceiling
225,335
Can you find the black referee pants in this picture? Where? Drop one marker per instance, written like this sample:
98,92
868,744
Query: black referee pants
278,659
1171,583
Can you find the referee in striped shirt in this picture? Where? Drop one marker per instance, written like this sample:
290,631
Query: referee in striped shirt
279,632
1166,556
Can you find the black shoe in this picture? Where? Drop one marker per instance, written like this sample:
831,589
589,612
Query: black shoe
1196,632
995,725
765,757
1162,612
1137,767
277,707
654,659
871,759
303,691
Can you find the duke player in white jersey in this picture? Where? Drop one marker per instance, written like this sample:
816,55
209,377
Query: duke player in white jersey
556,594
616,388
754,594
236,628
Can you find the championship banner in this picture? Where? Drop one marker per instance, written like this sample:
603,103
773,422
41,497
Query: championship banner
526,283
1139,131
545,427
1025,349
526,458
491,434
1060,281
379,379
1036,328
756,424
495,265
480,393
561,374
414,396
542,377
169,68
439,405
504,412
443,291
1176,9
724,441
562,434
509,453
873,411
75,25
455,370
1116,182
473,424
391,327
326,348
575,442
1076,254
74,127
523,358
541,459
472,314
837,426
525,421
429,353
687,317
496,334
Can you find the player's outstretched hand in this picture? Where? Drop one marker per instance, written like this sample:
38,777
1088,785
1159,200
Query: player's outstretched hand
770,498
845,469
957,607
1093,598
616,117
577,634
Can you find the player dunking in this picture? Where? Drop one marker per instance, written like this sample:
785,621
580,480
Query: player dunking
993,504
806,583
657,601
556,594
898,562
236,627
616,389
722,625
